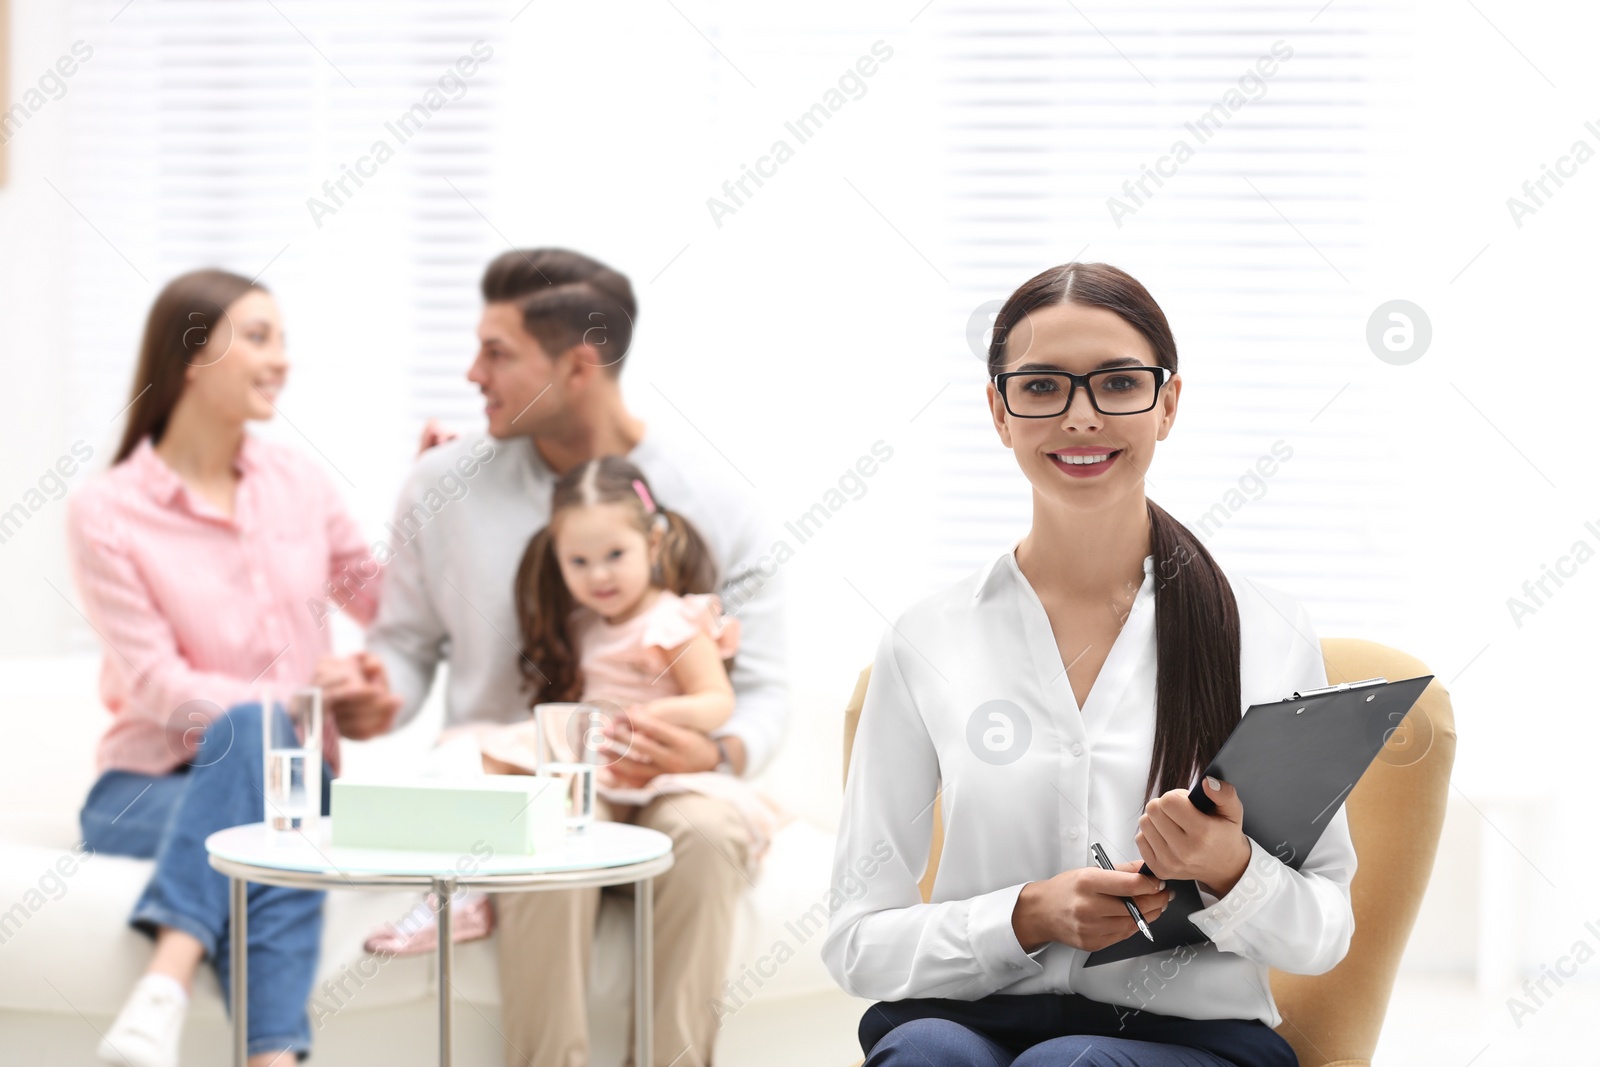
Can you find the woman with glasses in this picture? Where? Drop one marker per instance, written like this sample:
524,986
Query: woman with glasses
1070,694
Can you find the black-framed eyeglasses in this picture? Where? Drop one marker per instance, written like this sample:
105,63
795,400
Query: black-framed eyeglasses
1038,394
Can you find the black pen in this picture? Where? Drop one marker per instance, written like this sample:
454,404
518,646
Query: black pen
1105,863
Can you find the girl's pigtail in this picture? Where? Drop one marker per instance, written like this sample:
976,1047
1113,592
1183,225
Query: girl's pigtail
686,565
549,660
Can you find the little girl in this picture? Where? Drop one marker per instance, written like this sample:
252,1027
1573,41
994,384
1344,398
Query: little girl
614,606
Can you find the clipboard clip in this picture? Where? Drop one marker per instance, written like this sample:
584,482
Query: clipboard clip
1341,687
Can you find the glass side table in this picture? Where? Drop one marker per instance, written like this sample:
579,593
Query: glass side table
607,853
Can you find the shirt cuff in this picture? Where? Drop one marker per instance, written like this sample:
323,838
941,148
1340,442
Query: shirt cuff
994,940
756,750
1257,885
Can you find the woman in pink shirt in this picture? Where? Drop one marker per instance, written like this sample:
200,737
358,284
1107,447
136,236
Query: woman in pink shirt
206,560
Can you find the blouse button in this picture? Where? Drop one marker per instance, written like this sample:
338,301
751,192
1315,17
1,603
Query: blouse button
1077,749
1073,833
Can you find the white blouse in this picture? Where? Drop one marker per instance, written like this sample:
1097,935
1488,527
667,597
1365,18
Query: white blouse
968,691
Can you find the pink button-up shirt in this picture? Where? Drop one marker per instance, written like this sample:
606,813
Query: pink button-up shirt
198,611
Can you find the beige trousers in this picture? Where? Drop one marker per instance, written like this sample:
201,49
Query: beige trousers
546,938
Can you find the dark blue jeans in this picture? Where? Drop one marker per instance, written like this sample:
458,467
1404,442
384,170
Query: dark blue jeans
1059,1030
169,817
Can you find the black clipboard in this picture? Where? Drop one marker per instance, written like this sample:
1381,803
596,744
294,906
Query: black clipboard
1294,762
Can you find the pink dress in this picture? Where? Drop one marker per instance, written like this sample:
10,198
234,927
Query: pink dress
628,662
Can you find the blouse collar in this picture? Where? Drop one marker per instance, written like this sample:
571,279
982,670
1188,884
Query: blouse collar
152,473
162,482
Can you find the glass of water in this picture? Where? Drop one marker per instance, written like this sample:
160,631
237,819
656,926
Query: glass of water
571,732
578,789
572,743
291,743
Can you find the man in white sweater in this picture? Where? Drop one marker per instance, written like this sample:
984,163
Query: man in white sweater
555,330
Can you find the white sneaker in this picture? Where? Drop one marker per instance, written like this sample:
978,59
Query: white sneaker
147,1029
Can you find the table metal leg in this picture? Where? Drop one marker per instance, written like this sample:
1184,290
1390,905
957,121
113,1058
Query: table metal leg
443,888
239,966
643,968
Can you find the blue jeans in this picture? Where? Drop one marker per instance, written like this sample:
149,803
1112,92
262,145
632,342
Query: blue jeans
1059,1030
169,817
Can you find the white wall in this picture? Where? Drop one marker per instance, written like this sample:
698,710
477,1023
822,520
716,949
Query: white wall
34,236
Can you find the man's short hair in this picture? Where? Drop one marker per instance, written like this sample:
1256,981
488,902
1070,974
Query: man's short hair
566,299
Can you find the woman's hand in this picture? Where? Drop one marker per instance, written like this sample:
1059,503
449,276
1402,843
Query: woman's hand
1081,908
1178,840
356,696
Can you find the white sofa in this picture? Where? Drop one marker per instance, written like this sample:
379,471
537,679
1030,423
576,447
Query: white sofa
68,958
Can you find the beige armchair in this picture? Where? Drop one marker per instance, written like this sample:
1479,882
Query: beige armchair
1396,812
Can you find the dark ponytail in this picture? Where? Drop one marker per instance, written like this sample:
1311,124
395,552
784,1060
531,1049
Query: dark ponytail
544,605
1198,693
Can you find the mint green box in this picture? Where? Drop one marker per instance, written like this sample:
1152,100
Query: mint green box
514,814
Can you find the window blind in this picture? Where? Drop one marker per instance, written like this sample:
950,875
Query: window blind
340,152
1154,138
227,134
